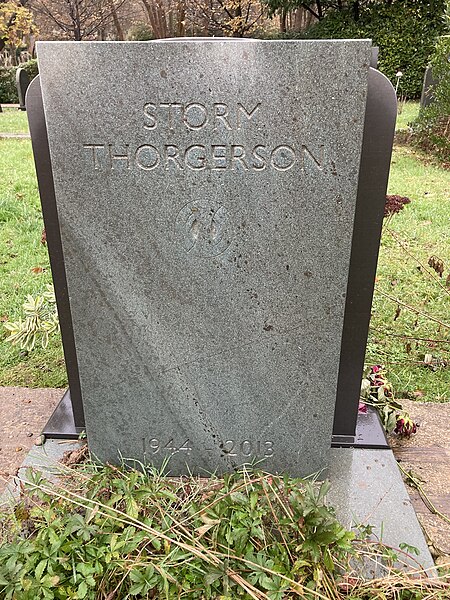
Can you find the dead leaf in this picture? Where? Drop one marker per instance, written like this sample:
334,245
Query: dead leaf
408,348
397,313
37,270
437,264
73,457
428,359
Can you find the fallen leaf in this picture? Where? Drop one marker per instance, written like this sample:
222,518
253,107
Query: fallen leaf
397,313
37,270
428,359
437,264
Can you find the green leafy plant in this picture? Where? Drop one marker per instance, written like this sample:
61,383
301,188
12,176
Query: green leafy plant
8,90
405,32
40,321
431,130
138,534
120,533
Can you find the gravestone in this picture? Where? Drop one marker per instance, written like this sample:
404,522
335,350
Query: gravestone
429,83
22,83
374,57
206,192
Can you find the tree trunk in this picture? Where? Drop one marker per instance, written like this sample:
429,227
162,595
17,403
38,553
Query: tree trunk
154,17
116,21
283,17
181,9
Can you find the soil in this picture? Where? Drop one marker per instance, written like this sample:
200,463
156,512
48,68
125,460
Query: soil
426,455
23,414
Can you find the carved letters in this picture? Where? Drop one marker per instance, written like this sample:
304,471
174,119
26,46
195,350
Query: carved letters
212,120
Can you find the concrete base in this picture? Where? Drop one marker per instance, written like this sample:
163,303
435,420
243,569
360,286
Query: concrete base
43,458
366,489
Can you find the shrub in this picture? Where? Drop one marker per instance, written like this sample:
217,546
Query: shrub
140,32
405,31
432,126
31,67
8,91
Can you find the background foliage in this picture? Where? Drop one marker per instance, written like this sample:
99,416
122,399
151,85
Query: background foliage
432,128
8,91
405,31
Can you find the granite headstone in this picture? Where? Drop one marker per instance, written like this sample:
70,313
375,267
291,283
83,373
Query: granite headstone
429,83
22,83
206,193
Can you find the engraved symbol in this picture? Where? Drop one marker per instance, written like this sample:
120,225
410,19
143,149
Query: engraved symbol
204,228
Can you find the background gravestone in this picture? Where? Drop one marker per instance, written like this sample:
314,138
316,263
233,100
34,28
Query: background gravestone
206,222
429,83
22,83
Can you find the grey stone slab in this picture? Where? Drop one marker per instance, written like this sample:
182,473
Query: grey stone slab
367,489
22,83
428,86
206,193
44,459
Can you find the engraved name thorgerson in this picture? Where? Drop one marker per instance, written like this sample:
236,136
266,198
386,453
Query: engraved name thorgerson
214,120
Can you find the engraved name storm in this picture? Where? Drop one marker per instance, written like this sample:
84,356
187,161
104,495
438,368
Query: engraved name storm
215,118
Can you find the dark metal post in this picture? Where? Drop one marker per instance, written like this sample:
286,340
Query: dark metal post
68,418
381,112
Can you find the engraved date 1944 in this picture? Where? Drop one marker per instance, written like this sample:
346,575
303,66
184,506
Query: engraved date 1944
233,448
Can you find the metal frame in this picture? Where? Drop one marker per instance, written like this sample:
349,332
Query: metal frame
351,428
379,126
67,421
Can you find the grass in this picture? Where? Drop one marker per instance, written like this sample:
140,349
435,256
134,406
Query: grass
410,238
401,340
407,112
102,532
22,258
13,120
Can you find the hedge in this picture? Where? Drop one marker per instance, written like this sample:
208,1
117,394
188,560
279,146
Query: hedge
8,90
431,130
405,31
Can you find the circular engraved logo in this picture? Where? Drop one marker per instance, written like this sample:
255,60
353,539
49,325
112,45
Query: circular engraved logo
204,228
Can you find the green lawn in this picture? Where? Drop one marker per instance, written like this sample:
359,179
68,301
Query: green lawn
13,120
406,112
409,239
21,251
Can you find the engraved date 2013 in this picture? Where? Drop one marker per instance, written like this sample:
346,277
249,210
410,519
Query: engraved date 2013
233,448
248,448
